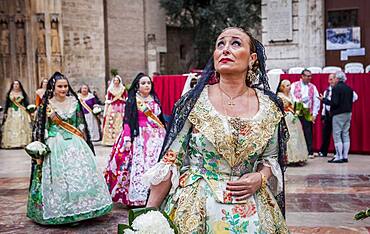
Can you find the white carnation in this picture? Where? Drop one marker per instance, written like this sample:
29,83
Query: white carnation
97,110
152,222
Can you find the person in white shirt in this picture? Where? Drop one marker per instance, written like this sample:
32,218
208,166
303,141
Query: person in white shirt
306,92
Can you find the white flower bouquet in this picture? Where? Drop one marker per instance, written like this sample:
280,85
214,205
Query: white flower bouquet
97,110
147,220
31,108
37,150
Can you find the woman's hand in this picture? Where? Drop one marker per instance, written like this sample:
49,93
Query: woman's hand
127,145
246,186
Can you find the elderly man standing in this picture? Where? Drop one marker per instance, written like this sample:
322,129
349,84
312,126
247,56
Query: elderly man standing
341,110
327,118
306,92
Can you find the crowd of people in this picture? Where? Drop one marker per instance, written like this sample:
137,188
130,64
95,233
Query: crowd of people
336,102
219,162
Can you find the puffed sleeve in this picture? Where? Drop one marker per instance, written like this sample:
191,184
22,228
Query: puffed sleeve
269,158
172,161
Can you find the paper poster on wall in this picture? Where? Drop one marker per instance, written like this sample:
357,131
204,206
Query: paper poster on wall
343,38
343,55
356,52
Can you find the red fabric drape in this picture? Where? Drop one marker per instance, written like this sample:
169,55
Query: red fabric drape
169,89
360,126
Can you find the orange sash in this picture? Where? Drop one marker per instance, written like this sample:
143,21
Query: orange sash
148,112
86,106
55,118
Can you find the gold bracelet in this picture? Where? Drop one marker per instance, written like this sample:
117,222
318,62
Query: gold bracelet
264,180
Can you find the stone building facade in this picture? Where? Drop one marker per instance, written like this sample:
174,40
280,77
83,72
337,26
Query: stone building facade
307,45
83,39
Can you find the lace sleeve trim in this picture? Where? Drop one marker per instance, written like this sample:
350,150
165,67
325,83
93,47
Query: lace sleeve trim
159,172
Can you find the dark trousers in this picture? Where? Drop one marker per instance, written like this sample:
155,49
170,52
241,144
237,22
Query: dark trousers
326,133
307,130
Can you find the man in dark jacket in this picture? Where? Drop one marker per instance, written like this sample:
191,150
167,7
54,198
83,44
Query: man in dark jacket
341,111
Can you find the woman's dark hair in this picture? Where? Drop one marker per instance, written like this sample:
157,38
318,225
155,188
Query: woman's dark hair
131,115
42,81
88,88
278,87
38,132
24,102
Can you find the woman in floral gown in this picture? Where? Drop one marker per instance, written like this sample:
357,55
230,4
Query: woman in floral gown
137,148
16,128
66,186
296,154
219,171
88,101
114,111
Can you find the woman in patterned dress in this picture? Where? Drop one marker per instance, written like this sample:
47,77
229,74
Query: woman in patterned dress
137,148
296,154
66,186
88,101
114,111
220,170
16,128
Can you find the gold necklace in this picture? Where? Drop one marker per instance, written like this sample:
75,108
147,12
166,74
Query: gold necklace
230,102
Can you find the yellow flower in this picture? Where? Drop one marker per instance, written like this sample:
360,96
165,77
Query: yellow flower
220,227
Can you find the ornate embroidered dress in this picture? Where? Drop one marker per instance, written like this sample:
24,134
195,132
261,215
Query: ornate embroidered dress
91,120
295,151
113,115
67,187
212,149
16,130
125,168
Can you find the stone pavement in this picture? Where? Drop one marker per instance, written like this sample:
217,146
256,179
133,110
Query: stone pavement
321,197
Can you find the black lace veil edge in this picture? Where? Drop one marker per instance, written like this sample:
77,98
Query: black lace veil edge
185,104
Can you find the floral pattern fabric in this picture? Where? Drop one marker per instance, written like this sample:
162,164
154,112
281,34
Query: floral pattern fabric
113,116
211,150
67,187
125,168
296,154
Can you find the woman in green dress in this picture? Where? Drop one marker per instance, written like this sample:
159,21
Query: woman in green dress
221,167
66,185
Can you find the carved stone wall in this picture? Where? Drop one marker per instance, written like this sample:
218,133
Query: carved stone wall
84,57
307,47
15,45
83,39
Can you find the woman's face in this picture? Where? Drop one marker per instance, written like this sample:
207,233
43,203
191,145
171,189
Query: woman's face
116,81
145,85
285,86
44,84
16,86
61,88
84,90
232,53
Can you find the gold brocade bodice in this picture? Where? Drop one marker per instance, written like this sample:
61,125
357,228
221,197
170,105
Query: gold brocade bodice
235,139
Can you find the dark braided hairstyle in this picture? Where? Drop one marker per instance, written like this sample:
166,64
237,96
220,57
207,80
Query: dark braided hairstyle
186,103
131,115
38,132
